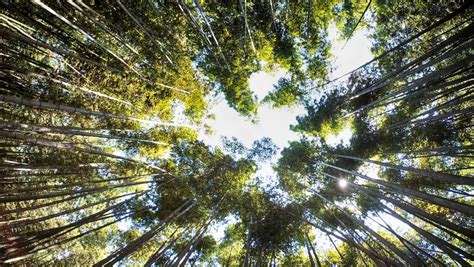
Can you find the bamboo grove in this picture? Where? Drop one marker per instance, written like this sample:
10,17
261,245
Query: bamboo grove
102,104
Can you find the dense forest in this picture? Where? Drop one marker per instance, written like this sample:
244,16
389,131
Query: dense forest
102,103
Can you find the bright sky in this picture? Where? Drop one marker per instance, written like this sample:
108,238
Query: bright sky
275,123
356,52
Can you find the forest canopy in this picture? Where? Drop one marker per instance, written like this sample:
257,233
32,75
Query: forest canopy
104,105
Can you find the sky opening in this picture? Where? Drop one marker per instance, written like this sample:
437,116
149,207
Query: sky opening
275,122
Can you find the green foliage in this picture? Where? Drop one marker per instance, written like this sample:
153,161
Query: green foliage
102,162
285,93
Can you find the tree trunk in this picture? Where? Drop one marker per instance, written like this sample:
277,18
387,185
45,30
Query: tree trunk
182,257
36,43
443,177
443,245
103,26
313,250
148,33
212,33
50,143
31,238
443,202
405,70
60,107
335,247
247,249
155,256
435,240
28,222
72,25
48,129
450,16
389,245
311,261
62,242
64,193
139,242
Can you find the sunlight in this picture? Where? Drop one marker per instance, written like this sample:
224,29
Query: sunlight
342,183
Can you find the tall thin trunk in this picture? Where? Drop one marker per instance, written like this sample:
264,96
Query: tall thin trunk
184,255
102,26
139,242
189,15
377,236
65,241
405,70
357,24
246,24
67,185
30,239
47,204
376,257
443,245
453,113
28,222
435,240
160,46
64,52
66,193
155,256
312,249
212,33
410,208
465,7
310,256
402,240
75,87
405,242
335,247
443,202
193,246
60,107
399,95
247,250
48,129
51,143
443,177
75,27
447,105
